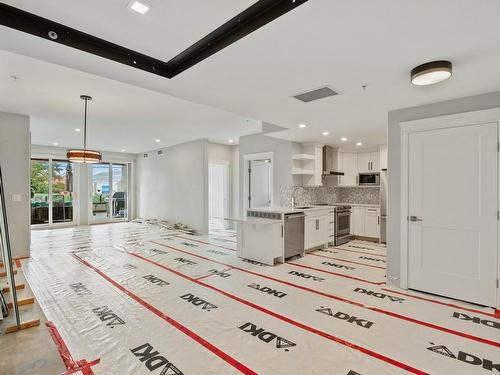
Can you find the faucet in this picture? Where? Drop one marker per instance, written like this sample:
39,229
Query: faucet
293,198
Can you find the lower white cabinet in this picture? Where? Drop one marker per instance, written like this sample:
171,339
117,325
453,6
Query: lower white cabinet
372,222
358,221
317,229
365,221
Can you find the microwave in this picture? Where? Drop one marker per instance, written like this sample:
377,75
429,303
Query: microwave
369,179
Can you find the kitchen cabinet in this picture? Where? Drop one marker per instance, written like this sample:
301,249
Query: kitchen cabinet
358,221
372,222
383,157
348,163
368,162
365,221
317,228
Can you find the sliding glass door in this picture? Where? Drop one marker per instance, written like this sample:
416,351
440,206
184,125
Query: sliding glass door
52,195
109,187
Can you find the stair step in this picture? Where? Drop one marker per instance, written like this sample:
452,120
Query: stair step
30,317
22,302
6,289
4,273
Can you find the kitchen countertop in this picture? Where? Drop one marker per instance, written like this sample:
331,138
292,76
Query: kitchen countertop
359,205
290,210
253,220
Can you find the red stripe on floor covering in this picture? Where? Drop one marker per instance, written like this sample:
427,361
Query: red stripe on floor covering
347,261
72,366
203,242
331,296
288,320
337,274
359,252
441,303
227,358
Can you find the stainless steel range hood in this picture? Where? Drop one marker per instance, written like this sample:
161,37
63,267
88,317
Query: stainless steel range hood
330,162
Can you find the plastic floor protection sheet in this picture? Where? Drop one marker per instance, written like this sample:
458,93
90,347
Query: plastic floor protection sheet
146,300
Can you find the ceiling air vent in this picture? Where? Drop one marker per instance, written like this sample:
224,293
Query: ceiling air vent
145,155
322,92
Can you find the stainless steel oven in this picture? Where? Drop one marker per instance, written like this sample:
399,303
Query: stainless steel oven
342,232
369,179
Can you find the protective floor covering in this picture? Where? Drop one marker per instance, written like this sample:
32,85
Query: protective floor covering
135,298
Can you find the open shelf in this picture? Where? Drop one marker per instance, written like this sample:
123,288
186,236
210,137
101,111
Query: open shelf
303,157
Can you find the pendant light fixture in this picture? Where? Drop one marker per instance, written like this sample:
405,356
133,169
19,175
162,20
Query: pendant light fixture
84,155
431,73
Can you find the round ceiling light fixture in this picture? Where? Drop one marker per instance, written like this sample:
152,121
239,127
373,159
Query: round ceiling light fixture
431,73
84,155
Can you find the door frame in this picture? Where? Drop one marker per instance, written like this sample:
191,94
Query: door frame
257,156
227,186
76,193
128,166
433,123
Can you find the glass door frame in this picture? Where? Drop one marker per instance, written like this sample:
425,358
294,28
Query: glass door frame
110,218
75,200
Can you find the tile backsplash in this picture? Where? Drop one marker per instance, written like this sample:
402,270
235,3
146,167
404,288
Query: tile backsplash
325,194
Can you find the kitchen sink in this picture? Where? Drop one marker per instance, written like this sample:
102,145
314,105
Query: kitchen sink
302,208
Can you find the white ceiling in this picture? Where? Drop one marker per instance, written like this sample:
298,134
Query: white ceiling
345,44
120,116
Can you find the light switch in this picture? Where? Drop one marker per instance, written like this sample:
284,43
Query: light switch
16,198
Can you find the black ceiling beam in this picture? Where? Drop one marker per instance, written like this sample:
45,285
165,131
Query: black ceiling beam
35,25
251,19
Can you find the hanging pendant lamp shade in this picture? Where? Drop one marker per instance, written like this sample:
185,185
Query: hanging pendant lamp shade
84,155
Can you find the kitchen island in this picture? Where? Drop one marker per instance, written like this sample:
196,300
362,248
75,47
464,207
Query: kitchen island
271,235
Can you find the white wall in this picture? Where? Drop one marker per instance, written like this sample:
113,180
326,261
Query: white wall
15,163
174,186
82,173
468,104
282,162
235,182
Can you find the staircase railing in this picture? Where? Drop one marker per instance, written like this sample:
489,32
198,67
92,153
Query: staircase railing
6,251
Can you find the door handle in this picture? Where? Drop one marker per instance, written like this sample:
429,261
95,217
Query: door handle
414,218
357,180
317,224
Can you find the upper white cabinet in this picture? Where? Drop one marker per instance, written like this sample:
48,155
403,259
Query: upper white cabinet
383,157
368,162
348,163
309,164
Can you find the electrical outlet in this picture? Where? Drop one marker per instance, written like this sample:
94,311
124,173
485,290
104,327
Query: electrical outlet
16,198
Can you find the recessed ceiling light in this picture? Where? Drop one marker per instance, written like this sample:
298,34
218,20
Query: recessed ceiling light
325,133
78,130
302,126
139,7
344,139
359,144
55,144
157,140
230,141
122,150
431,72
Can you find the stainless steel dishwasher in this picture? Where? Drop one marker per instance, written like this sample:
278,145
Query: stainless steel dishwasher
294,234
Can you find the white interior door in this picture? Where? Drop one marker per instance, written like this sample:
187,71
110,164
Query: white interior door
452,236
260,183
218,192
